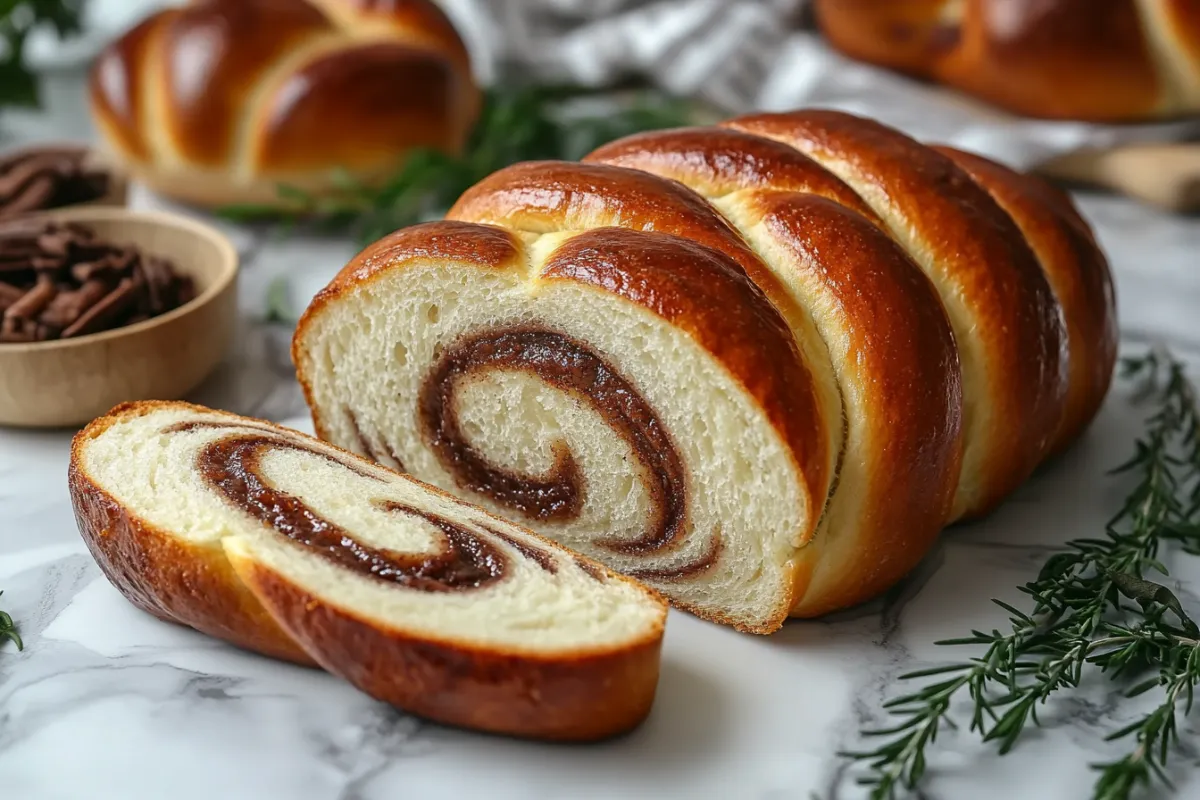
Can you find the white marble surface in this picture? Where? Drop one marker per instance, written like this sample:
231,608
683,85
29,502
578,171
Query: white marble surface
106,702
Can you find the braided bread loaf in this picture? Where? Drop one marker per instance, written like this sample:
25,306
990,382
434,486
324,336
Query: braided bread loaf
221,100
757,366
287,546
1069,59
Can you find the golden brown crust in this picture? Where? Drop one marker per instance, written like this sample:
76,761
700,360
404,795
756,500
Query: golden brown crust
716,161
173,580
413,21
221,100
551,196
429,108
1183,28
586,698
902,362
116,87
226,48
1019,351
1069,59
1078,272
588,695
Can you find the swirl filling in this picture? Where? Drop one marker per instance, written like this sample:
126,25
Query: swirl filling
570,366
465,561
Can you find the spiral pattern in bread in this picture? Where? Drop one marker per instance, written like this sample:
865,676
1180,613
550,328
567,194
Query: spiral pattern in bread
758,366
285,545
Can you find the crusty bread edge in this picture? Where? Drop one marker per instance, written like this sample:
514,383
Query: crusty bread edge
587,695
569,698
174,580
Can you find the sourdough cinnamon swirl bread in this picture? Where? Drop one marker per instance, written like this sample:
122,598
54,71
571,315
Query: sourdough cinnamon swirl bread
288,546
758,366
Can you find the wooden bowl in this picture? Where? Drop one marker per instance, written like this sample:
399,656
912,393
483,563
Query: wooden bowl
71,381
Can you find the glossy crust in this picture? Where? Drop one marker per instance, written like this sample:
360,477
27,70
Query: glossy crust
900,362
1104,60
1079,273
225,593
221,100
1015,356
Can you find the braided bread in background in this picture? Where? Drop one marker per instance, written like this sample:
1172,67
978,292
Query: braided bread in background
222,100
757,366
1069,59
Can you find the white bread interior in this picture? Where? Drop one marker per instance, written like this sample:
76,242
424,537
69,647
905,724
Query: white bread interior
152,472
371,348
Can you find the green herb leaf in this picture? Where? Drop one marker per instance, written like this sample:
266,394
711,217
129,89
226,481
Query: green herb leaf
8,630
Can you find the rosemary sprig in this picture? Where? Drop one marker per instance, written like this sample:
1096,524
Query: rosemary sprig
8,630
521,124
1081,616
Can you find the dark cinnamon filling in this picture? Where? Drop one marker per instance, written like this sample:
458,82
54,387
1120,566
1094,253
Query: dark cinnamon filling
571,366
367,448
233,466
703,563
539,557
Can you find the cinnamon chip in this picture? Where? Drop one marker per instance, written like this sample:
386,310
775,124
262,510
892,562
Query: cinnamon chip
43,178
61,281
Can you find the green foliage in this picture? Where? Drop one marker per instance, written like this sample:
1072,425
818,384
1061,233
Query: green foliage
522,124
1092,608
18,86
8,630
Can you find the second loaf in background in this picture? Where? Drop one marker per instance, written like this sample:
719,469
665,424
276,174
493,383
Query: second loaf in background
758,366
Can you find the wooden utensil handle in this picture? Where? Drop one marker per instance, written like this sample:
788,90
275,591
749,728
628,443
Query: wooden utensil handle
1164,175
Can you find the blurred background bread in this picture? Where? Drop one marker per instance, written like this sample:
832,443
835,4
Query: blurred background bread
220,101
1102,60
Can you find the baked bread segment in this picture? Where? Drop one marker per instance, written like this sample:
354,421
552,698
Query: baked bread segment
219,101
1077,270
889,343
631,393
296,549
1102,60
1007,323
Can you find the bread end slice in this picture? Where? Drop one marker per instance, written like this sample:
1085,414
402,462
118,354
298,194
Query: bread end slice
434,606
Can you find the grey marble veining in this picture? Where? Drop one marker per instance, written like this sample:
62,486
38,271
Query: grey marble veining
107,702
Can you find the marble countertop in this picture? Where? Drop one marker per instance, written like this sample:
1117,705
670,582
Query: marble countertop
106,702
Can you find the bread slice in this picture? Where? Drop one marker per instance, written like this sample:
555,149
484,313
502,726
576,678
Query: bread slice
632,395
294,548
